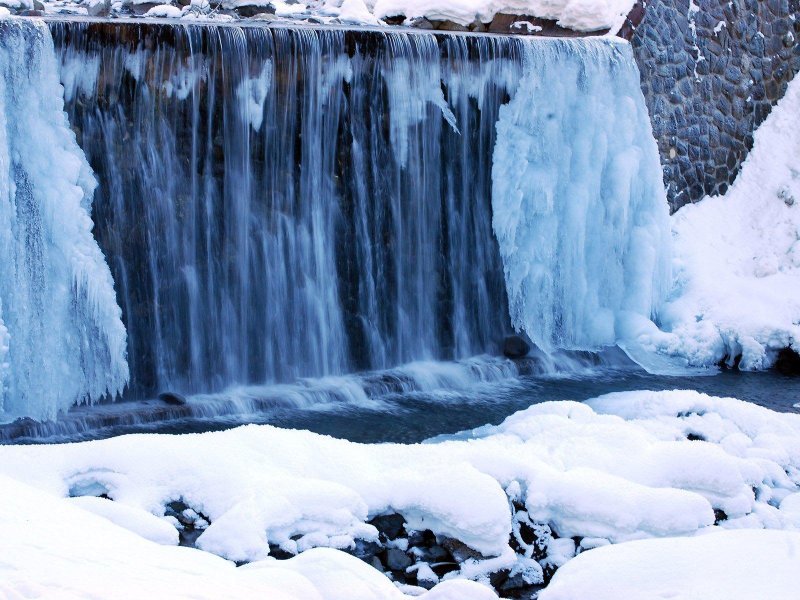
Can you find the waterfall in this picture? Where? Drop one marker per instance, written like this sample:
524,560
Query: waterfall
282,203
61,337
279,203
580,211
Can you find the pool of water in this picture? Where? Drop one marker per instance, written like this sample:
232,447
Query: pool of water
416,417
407,405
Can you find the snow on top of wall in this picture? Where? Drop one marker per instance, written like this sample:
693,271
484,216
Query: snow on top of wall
579,15
737,257
616,469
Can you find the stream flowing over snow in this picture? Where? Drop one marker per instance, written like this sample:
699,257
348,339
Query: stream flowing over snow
578,200
61,337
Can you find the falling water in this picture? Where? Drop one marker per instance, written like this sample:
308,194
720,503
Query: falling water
282,203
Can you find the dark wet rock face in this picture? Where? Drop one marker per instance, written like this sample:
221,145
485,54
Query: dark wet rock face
710,77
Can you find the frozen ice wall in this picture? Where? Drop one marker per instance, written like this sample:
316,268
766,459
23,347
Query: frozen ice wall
579,206
61,336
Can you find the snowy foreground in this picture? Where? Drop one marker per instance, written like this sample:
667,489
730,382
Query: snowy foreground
648,472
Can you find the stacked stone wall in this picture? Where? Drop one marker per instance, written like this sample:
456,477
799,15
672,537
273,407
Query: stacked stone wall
711,72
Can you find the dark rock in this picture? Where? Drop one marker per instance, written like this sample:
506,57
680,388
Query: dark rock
788,362
253,10
279,553
498,578
395,20
719,516
443,568
172,398
421,24
515,346
420,538
695,437
460,551
391,526
450,26
434,554
514,583
397,560
365,550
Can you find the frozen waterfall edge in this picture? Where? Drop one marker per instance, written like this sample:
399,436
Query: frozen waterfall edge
62,340
579,207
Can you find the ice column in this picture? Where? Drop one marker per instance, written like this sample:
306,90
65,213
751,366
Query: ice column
579,208
62,340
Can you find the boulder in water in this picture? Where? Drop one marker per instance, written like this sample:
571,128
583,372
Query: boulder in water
515,346
172,398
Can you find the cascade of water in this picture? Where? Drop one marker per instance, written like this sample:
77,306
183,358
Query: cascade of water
61,337
281,203
579,207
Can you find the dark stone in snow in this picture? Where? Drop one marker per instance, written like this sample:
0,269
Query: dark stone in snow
279,553
435,554
515,347
397,560
390,526
460,551
172,398
365,550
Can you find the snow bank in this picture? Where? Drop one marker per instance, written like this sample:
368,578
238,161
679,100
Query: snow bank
737,258
730,565
55,550
622,467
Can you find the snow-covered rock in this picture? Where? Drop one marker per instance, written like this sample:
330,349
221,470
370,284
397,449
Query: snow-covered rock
53,549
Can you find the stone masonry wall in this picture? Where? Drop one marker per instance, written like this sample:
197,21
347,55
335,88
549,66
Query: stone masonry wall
711,72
